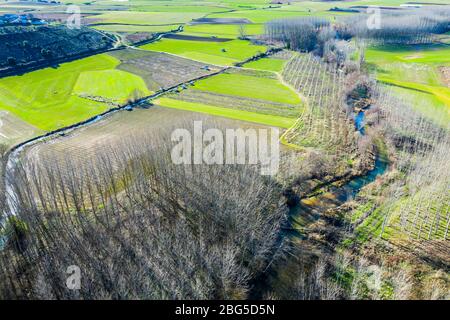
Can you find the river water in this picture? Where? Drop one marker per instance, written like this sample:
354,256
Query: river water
310,209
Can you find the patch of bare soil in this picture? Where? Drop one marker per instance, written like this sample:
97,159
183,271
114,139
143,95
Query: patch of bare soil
445,75
138,37
161,70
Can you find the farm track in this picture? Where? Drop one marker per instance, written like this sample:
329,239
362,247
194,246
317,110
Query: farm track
304,100
283,138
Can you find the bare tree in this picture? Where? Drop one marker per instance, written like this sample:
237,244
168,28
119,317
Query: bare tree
139,226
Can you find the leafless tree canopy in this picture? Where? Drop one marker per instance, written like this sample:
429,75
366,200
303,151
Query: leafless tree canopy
296,33
421,148
141,227
417,26
405,27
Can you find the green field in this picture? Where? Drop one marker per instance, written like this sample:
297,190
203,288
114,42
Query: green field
178,7
415,68
115,85
249,86
428,104
260,15
48,98
223,30
427,54
359,197
134,29
156,16
145,18
270,120
247,95
266,64
52,98
219,53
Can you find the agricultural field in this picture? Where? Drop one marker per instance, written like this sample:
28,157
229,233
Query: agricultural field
197,20
83,146
133,29
218,53
260,16
55,97
44,98
145,18
270,120
255,96
224,30
355,208
418,69
249,86
116,86
13,130
161,70
267,64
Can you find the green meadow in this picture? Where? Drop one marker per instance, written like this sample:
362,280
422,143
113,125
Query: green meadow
427,54
135,28
55,97
223,30
250,87
270,120
253,96
50,98
182,7
266,64
114,85
259,15
218,53
145,18
416,69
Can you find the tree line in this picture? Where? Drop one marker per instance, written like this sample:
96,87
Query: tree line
320,35
139,227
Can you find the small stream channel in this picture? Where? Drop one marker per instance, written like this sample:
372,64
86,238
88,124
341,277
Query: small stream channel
333,195
310,209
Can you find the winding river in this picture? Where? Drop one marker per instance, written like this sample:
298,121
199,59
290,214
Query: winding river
331,195
334,195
